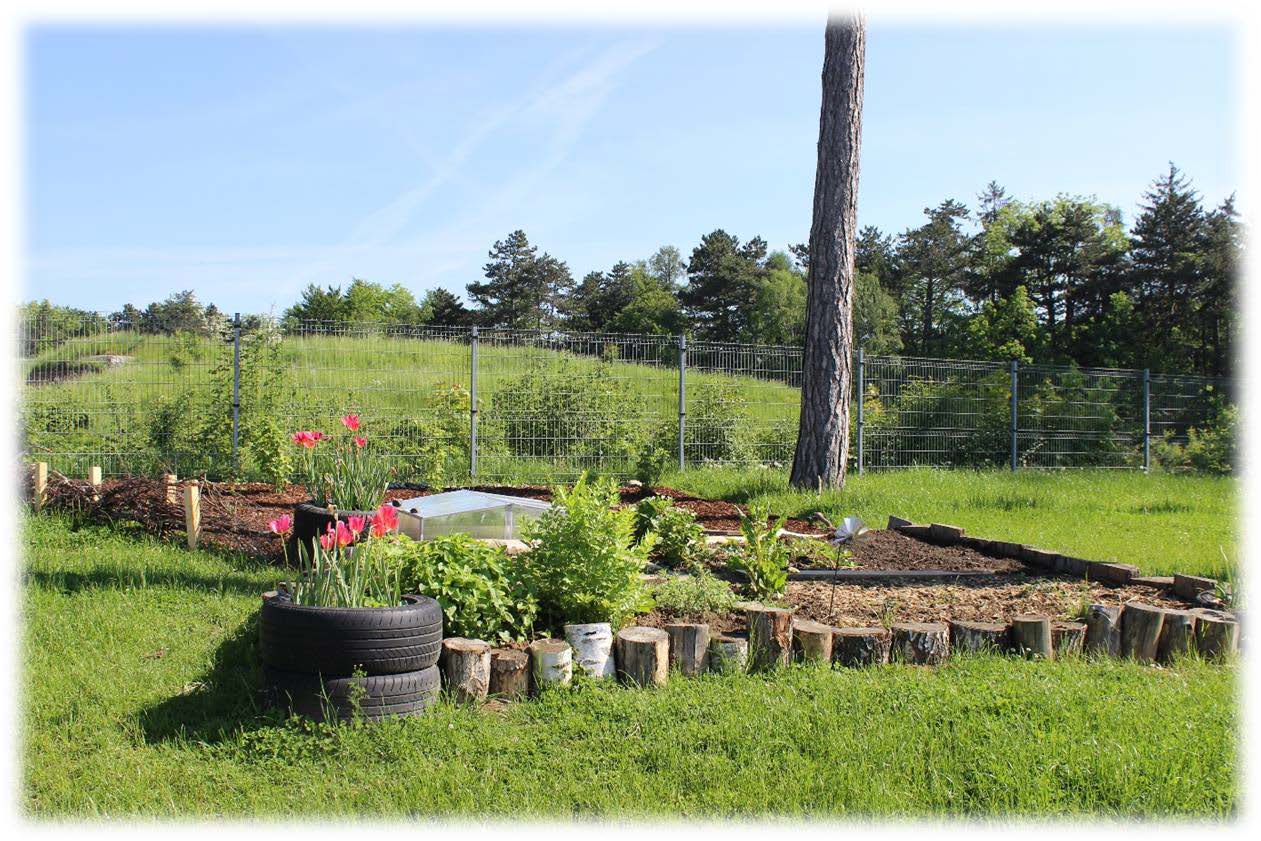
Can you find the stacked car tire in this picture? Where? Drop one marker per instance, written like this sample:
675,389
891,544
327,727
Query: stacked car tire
311,655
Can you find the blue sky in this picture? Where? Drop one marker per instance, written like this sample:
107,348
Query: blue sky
246,163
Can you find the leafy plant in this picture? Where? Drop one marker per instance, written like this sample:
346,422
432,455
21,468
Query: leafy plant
1211,448
481,589
692,595
651,464
680,539
763,558
586,563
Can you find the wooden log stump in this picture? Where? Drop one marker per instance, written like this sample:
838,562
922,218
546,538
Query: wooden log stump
921,643
812,641
1103,630
689,647
1031,637
643,656
192,514
509,673
551,664
1068,639
1216,634
728,653
855,647
770,637
466,668
593,648
94,479
1177,635
171,481
1140,631
978,637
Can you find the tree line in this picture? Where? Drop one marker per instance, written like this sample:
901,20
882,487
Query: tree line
1056,281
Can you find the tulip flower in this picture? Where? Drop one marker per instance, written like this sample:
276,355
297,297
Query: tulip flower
359,442
357,523
281,525
351,422
329,539
307,439
384,521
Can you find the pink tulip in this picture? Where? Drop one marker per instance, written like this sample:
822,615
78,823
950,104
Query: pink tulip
357,523
351,422
307,439
281,524
384,521
329,539
359,442
345,536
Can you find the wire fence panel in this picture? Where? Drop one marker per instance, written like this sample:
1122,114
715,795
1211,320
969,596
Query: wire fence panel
443,404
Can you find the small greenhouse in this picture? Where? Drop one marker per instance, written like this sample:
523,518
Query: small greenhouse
475,513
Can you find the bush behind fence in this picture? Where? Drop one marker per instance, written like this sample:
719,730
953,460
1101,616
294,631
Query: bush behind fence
444,404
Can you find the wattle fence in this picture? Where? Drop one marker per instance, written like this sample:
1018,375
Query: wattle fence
219,397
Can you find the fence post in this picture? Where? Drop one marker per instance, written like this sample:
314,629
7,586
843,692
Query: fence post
682,394
860,411
236,395
1015,384
1147,419
472,452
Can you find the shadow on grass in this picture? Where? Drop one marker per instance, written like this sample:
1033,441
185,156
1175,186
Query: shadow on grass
105,577
224,701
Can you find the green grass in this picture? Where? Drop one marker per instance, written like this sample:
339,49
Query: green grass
138,670
1163,523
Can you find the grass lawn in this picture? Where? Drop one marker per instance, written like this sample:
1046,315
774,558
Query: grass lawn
1163,523
139,665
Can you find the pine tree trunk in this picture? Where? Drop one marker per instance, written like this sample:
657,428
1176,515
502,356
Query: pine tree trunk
823,431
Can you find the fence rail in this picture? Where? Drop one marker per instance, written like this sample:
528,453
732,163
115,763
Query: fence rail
220,398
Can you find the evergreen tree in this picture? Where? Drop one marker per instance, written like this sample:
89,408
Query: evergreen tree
442,308
721,284
932,260
522,288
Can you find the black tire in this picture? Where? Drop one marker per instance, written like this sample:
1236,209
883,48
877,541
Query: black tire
339,640
409,693
310,521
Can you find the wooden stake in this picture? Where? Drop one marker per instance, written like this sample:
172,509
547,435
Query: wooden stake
593,647
551,663
1216,634
1177,635
689,647
1031,637
643,656
978,637
40,482
812,641
1103,630
921,643
172,488
728,653
509,673
466,668
770,637
94,479
1068,638
192,514
1140,631
861,646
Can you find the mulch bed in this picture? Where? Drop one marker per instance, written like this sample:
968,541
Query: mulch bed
235,518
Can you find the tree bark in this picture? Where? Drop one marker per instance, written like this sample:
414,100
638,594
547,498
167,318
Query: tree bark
593,648
1216,634
689,647
770,637
823,431
728,653
643,656
551,663
1031,637
1103,630
856,647
1068,639
1177,635
1140,631
509,673
466,668
812,641
921,643
978,637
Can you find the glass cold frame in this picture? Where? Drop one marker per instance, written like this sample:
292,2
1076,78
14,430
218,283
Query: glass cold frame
475,513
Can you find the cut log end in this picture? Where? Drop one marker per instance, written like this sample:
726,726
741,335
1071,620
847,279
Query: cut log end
466,668
812,641
509,673
643,656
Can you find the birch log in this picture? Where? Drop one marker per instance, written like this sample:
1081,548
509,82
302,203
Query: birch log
593,648
551,663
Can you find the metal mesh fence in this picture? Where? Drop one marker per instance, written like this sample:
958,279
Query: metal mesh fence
442,404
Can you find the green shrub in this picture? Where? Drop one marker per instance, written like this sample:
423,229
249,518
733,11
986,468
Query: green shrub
436,446
568,412
586,564
479,586
680,539
762,557
693,595
652,462
1210,449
